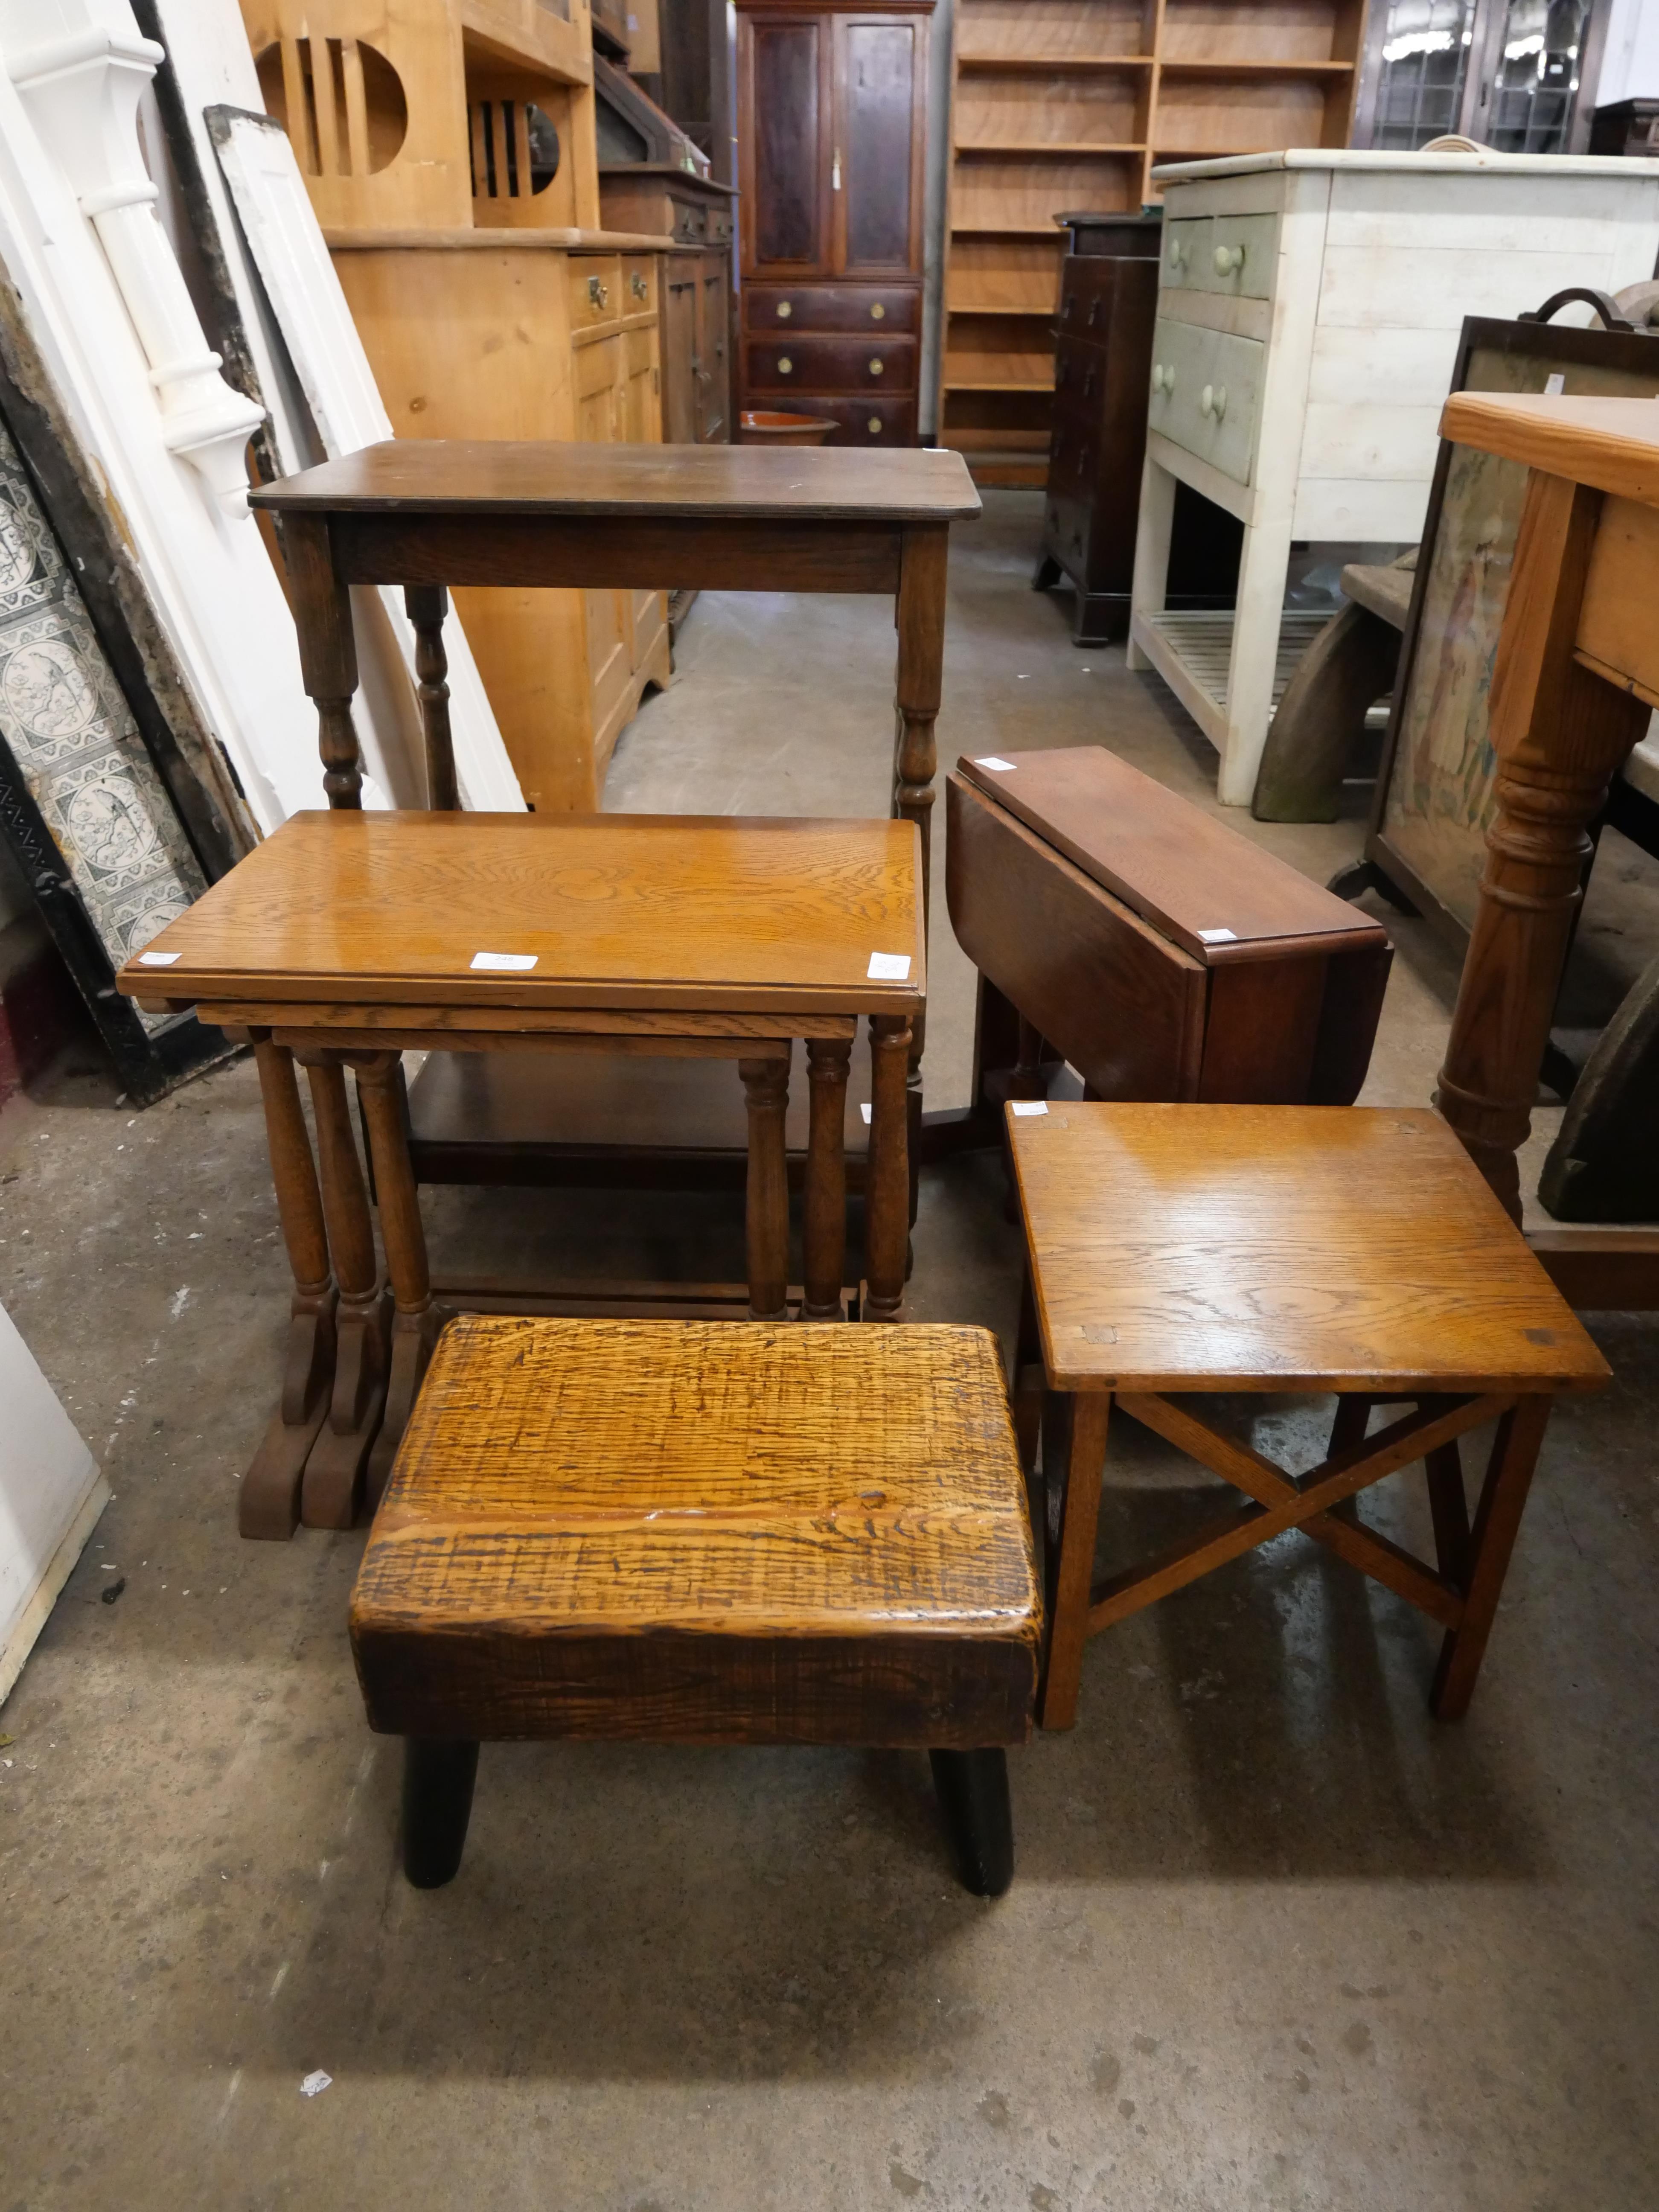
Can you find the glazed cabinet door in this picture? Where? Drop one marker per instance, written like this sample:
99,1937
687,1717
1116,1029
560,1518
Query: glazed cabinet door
876,152
785,65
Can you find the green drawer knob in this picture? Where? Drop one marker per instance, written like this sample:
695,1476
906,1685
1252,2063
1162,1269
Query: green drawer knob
1213,401
1229,260
1163,379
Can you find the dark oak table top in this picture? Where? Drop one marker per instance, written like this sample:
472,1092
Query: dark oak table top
457,477
1211,890
701,912
1280,1247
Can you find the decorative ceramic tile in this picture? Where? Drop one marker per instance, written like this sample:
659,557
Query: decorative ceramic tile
73,739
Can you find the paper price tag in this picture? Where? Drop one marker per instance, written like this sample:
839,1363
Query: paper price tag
1217,937
156,959
865,1110
889,968
1024,1106
509,964
1002,767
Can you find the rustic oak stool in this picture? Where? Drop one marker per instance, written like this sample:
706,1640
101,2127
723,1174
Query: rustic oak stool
1193,1248
703,1532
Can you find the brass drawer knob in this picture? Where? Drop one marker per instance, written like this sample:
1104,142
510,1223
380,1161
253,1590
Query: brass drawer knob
875,426
875,368
877,313
785,310
786,366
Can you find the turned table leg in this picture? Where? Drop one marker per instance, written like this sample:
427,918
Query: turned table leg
417,1318
824,1228
766,1092
1560,733
920,615
328,652
267,1504
333,1473
887,1181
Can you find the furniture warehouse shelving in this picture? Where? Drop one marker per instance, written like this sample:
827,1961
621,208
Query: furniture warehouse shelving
1059,104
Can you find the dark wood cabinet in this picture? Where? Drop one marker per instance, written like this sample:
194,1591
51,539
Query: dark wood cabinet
694,286
831,134
1103,368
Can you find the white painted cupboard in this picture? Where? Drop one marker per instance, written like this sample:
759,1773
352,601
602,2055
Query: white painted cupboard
1308,312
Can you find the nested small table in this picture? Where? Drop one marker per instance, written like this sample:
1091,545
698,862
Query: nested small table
430,514
1190,1249
350,938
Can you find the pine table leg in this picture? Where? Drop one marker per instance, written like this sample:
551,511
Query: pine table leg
268,1502
333,1476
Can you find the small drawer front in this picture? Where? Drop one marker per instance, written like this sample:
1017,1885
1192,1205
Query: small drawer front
1237,257
718,229
819,364
596,290
829,307
639,285
865,423
690,222
1079,379
1185,254
1206,394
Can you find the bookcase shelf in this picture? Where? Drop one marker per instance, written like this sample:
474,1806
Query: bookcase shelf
1059,104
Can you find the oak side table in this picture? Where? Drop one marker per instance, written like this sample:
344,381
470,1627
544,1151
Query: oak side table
430,513
1188,1248
349,938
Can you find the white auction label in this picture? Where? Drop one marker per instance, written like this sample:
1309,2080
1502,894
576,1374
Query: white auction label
865,1110
1024,1106
156,959
1002,767
889,967
1216,937
512,963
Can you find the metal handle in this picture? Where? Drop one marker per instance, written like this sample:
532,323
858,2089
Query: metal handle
875,426
597,294
1229,260
877,313
637,284
1213,400
875,368
786,366
785,310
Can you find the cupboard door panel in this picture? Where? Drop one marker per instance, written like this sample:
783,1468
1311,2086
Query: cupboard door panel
679,351
876,81
785,127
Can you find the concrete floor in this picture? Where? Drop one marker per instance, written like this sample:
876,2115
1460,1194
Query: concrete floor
1276,1939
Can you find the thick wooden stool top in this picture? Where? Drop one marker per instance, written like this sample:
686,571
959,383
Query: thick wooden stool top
1280,1247
710,1532
612,911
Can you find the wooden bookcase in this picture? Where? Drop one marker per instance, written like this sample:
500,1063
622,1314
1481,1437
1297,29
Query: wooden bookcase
1063,104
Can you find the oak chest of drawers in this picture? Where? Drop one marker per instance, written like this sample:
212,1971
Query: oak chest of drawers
1308,316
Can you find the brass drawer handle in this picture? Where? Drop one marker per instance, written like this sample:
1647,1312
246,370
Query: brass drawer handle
786,366
785,310
877,313
875,368
598,293
875,426
640,290
1229,260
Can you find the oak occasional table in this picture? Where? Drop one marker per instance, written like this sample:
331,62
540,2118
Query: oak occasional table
432,513
1574,681
349,938
673,1532
1191,1248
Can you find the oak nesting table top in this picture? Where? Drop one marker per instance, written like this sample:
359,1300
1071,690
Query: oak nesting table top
460,476
695,912
1280,1247
1212,891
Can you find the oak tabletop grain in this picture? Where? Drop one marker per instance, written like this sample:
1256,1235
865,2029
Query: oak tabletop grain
1280,1247
1612,445
1213,892
613,910
727,1479
724,483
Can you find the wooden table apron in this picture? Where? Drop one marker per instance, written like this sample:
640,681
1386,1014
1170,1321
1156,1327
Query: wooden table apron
358,1347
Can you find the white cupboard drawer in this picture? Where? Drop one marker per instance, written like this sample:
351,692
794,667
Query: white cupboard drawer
1185,252
1206,394
1237,256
